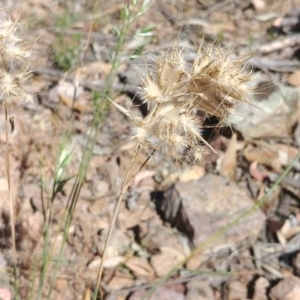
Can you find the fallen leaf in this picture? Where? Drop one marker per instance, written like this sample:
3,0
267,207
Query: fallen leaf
140,267
120,281
271,155
264,154
110,262
228,163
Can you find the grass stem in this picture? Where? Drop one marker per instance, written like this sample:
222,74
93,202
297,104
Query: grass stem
123,189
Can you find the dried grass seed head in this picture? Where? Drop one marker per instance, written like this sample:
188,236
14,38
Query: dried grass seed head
166,81
14,56
217,81
180,97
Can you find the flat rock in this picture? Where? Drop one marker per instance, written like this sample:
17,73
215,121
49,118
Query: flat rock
272,116
169,291
287,288
199,290
201,207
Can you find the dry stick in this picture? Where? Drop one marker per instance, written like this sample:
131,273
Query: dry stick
11,204
114,218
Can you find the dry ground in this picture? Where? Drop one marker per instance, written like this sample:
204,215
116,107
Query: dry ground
246,264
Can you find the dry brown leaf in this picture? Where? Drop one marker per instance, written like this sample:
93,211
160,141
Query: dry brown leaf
74,105
286,153
263,154
87,294
271,155
228,164
287,231
120,281
140,267
110,262
94,68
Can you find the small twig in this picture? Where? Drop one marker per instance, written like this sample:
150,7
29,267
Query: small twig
185,279
147,159
274,65
277,45
216,7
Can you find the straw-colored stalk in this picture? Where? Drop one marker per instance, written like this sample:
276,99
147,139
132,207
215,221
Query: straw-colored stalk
13,74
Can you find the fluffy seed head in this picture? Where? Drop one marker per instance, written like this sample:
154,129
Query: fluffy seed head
217,82
180,97
13,61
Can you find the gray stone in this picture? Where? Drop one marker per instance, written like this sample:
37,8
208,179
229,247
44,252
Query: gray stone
200,208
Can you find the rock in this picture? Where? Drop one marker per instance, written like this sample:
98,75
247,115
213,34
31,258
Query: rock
119,282
236,290
167,259
6,292
296,263
199,290
272,116
260,289
200,208
288,288
119,243
156,236
169,291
